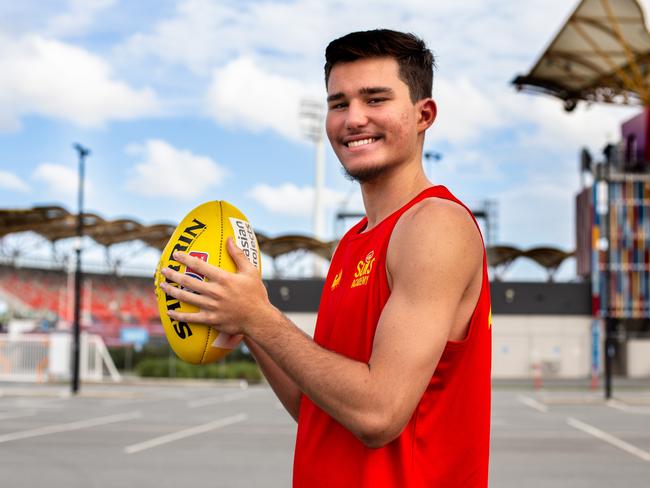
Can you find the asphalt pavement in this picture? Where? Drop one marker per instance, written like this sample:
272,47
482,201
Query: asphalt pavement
231,435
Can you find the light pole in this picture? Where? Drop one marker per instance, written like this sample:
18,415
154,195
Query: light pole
434,156
82,152
311,115
603,207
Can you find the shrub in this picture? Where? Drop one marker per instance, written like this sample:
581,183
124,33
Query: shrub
126,357
175,368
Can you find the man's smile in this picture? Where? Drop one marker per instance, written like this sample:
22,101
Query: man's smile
357,142
362,142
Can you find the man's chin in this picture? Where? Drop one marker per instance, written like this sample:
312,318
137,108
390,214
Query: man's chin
364,175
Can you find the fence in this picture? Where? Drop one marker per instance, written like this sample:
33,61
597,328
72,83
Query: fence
47,357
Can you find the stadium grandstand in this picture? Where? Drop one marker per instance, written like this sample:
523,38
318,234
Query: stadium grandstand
108,302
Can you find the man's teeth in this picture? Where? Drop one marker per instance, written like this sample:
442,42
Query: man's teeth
362,142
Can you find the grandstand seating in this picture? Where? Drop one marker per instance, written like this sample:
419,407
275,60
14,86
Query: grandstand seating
108,302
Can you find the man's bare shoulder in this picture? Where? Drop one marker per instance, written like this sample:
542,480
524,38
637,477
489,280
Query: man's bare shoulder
436,232
438,215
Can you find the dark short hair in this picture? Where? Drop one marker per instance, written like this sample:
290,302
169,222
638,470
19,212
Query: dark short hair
415,60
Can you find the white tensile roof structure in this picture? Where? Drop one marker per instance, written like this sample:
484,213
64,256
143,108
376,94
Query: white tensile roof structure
601,54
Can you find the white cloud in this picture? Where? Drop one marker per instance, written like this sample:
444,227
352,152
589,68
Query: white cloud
60,181
79,17
195,37
464,111
289,199
539,211
552,128
463,164
241,94
164,166
202,34
54,79
9,181
479,49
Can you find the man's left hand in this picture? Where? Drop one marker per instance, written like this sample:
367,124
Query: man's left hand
233,303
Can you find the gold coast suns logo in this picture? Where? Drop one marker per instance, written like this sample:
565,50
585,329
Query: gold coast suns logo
337,280
364,268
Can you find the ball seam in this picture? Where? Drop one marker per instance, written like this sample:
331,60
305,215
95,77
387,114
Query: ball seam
209,334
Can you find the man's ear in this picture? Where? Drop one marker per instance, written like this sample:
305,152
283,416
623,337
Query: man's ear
427,111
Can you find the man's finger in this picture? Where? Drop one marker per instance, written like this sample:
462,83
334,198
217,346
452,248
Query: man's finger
184,295
195,318
184,280
238,256
198,265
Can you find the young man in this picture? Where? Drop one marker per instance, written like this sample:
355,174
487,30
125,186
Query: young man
394,389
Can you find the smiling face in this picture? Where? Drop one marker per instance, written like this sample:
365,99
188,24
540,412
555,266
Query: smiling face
371,122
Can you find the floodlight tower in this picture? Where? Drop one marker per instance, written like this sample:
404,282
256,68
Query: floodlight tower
311,116
83,153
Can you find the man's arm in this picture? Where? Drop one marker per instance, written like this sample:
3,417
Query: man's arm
434,252
283,386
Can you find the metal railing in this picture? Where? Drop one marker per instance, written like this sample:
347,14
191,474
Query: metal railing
39,358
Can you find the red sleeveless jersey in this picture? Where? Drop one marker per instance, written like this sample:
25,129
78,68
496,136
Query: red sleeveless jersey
446,441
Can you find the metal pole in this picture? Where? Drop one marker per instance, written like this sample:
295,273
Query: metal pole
610,350
604,208
610,346
83,152
319,182
311,113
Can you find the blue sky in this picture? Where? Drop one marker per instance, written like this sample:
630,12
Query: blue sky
185,101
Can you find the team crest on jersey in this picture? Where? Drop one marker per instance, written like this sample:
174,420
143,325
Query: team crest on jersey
337,280
364,268
203,256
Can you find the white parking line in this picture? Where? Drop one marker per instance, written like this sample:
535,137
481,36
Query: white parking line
624,407
182,434
604,436
532,403
81,424
17,415
220,399
57,404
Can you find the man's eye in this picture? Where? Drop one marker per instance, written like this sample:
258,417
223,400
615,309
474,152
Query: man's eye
337,106
374,101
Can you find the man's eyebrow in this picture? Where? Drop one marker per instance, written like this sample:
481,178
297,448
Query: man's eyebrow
370,90
335,96
374,90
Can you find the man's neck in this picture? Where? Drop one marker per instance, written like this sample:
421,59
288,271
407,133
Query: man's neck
391,191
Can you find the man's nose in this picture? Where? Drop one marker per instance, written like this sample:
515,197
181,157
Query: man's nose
356,115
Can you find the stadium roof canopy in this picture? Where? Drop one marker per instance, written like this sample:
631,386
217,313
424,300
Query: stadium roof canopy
56,223
550,258
280,245
601,54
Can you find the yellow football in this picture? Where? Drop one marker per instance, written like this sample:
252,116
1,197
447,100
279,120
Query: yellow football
203,234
